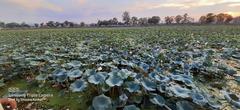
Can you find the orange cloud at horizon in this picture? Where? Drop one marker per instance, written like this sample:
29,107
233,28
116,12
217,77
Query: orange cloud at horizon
234,14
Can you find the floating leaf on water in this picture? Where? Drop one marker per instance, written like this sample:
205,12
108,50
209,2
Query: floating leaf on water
78,86
132,86
102,102
131,107
148,84
158,100
114,81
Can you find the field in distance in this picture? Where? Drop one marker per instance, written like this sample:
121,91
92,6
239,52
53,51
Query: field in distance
165,67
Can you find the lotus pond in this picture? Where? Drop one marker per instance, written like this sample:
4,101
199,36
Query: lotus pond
163,68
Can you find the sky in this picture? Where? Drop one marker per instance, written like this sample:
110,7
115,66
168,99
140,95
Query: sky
31,11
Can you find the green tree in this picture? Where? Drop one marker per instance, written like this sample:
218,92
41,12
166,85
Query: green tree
220,18
134,20
2,24
143,21
210,18
178,19
203,19
154,20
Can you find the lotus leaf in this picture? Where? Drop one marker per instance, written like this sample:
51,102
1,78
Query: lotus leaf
144,67
124,73
97,78
158,100
78,86
199,99
75,73
114,81
41,77
148,84
132,86
102,102
60,75
232,98
123,97
131,107
74,63
179,91
184,105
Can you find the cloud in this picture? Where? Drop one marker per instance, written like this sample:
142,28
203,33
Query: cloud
33,5
234,5
81,2
184,4
91,10
233,13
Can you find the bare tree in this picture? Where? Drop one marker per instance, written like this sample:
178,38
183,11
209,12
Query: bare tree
228,18
143,21
203,20
169,19
178,19
220,18
114,21
236,20
126,17
134,20
187,19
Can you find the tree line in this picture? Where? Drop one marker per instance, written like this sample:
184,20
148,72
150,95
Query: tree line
127,20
